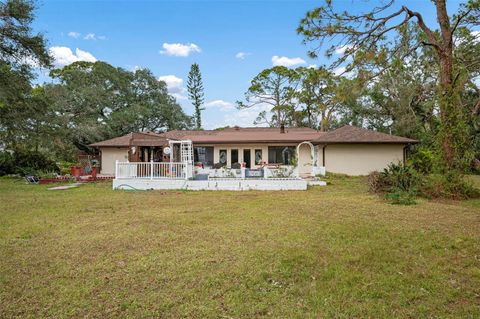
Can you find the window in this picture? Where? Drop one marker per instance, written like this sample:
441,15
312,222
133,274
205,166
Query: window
258,157
222,158
203,154
281,154
234,156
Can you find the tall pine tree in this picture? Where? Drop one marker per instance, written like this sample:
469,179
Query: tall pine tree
195,93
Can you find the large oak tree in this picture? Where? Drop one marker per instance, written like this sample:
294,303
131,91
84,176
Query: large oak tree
366,39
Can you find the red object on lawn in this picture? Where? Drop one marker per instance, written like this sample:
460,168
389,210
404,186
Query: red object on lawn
94,172
44,181
75,171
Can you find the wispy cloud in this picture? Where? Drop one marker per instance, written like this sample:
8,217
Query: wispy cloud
179,49
242,55
74,34
88,36
93,36
285,61
341,50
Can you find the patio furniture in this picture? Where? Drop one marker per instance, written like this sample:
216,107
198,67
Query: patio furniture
32,179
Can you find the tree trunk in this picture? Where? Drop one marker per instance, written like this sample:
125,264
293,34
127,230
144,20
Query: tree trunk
453,133
323,122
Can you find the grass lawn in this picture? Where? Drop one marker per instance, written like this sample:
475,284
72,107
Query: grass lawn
332,251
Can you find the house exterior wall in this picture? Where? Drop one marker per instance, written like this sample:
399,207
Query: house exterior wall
350,159
109,156
360,159
240,148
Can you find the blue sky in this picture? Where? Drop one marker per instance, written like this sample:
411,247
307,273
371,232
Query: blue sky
168,36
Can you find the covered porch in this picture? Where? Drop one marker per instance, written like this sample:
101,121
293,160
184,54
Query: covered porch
178,171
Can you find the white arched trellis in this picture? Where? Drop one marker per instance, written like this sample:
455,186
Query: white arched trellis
313,155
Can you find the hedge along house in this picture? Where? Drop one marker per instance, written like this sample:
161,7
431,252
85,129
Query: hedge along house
348,150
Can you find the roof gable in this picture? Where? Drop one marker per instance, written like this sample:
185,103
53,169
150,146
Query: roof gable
134,139
352,134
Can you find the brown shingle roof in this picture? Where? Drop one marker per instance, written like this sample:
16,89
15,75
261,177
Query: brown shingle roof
343,135
134,139
247,135
351,134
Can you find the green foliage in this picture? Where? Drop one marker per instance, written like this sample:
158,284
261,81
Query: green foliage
401,177
398,182
451,185
195,93
20,50
319,95
101,101
26,162
423,161
7,163
18,44
64,167
276,87
397,196
46,174
421,73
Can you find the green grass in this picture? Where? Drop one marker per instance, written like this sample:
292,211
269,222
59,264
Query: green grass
334,251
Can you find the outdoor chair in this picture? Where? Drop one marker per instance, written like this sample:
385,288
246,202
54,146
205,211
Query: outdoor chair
31,179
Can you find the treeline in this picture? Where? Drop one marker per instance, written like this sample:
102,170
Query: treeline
86,102
389,72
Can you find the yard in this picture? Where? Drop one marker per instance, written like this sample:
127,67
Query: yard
332,251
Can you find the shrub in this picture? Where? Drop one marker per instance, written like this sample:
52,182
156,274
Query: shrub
377,182
398,182
7,163
423,161
30,162
449,186
46,174
398,196
25,163
400,176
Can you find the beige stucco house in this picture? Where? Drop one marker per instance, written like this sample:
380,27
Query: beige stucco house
348,149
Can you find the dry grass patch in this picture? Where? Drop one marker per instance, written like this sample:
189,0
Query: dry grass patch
333,251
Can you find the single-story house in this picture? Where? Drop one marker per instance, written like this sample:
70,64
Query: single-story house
349,150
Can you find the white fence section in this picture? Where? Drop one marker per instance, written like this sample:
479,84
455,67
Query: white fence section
151,170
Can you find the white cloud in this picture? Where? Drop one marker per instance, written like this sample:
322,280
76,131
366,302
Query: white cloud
74,34
242,55
221,104
93,36
174,83
64,56
243,117
285,61
476,36
179,49
312,66
340,70
341,50
179,96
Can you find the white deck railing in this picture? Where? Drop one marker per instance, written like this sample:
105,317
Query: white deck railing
151,170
